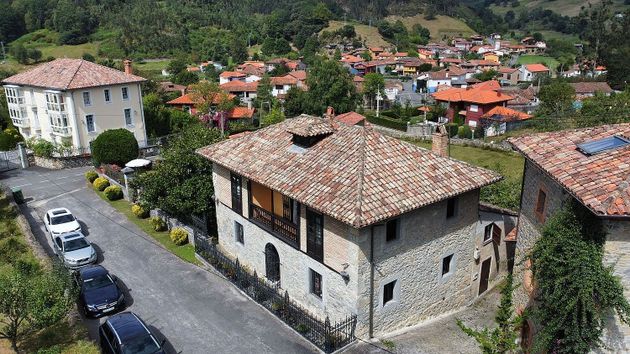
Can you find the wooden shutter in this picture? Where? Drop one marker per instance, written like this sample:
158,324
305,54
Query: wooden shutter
496,234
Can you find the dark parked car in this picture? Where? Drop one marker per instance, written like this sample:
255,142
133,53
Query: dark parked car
126,333
100,293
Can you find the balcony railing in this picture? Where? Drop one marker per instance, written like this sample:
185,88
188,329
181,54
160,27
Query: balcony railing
61,130
278,226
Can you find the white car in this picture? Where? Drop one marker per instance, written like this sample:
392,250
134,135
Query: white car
60,221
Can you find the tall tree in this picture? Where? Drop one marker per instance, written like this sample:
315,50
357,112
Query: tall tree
330,84
373,85
264,98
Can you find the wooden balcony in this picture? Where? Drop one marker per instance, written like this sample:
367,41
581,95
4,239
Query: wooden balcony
280,227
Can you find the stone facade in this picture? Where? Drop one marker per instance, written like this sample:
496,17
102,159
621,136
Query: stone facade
414,260
59,163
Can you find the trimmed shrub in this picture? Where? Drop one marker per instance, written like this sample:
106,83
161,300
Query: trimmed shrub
115,146
100,183
464,132
179,236
139,211
91,176
9,139
41,147
158,223
113,193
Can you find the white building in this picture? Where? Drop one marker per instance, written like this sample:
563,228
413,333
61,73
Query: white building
75,100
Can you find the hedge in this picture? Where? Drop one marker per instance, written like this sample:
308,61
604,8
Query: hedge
388,123
113,193
100,184
115,146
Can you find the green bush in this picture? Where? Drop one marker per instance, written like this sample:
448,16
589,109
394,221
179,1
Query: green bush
113,193
158,223
41,147
91,176
464,132
179,236
115,146
9,139
100,183
139,211
452,129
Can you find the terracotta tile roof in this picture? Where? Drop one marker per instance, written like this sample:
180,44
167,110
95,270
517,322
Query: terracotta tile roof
300,75
311,126
357,78
230,74
71,74
351,59
350,118
239,86
483,62
507,70
591,87
187,99
505,114
284,80
355,175
240,113
168,86
600,181
536,68
482,94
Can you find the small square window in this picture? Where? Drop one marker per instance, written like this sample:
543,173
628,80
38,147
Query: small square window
451,206
391,232
388,292
238,233
316,283
447,264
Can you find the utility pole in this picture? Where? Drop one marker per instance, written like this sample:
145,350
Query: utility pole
378,100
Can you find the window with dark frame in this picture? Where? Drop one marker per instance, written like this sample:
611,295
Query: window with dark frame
238,233
125,93
237,193
446,264
487,234
315,234
388,292
316,283
451,207
108,97
89,122
391,230
540,202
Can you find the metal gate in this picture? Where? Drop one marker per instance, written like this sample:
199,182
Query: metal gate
9,160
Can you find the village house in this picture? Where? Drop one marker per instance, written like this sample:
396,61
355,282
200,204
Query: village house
588,166
492,56
188,103
470,103
480,64
500,120
322,210
75,100
169,87
524,100
228,76
529,72
245,91
392,89
509,76
280,85
589,89
351,118
451,76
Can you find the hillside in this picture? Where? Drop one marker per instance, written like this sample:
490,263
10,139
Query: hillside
563,7
368,33
441,26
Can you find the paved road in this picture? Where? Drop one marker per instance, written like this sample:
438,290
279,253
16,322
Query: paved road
197,311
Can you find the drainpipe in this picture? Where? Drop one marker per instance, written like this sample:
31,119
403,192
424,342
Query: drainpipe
371,320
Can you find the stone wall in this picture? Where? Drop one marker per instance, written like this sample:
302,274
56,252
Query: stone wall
414,261
530,224
59,163
173,223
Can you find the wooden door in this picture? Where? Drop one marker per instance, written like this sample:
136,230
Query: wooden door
485,276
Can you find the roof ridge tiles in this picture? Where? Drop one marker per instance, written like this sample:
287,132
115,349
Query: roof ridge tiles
359,202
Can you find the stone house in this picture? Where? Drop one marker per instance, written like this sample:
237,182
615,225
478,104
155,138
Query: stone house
590,166
349,221
75,100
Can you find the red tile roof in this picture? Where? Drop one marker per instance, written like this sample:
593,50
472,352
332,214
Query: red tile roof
536,68
71,74
240,86
240,113
350,118
600,181
300,75
284,80
505,114
188,99
482,94
230,74
355,174
591,87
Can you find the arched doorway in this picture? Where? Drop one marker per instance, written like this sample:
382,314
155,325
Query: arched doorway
272,263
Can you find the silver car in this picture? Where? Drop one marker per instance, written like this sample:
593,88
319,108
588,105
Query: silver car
74,250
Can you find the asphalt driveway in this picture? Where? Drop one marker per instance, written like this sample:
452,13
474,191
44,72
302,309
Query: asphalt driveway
195,310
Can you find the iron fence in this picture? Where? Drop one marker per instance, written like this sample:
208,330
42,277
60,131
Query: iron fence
324,334
114,173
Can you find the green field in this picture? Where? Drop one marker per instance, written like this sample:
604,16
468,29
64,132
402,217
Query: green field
549,62
441,26
562,7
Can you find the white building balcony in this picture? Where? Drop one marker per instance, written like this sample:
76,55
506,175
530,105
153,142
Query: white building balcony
61,130
22,122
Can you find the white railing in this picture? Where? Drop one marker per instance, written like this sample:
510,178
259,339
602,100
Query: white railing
21,122
61,130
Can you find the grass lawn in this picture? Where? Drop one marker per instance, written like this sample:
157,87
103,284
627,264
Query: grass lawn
442,25
153,65
509,163
550,62
185,252
369,34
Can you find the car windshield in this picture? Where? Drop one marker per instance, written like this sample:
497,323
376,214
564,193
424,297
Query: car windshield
99,281
62,219
75,244
141,345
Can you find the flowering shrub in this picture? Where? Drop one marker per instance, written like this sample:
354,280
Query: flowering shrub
113,193
100,183
91,176
139,211
179,236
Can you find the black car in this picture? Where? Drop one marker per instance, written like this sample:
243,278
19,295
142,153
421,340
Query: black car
99,291
126,333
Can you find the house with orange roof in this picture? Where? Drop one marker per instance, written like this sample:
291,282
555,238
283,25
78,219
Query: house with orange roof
187,102
351,59
529,72
375,51
245,91
425,54
228,76
241,114
585,167
471,103
75,100
500,120
348,221
351,118
492,56
280,85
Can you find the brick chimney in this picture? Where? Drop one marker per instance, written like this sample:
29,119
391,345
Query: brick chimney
330,113
439,144
128,68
